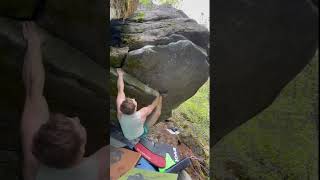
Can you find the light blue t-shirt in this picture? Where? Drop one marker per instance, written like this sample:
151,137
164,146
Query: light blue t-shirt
131,125
86,170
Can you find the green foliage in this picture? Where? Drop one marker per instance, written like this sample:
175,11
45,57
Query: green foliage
145,2
170,2
196,111
139,17
128,40
174,3
192,117
282,141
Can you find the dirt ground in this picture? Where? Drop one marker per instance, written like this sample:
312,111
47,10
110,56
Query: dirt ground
159,134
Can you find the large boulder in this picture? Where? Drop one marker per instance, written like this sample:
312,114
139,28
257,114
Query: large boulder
260,47
156,25
179,68
163,49
82,25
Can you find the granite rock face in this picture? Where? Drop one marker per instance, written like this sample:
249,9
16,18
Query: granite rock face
178,68
163,49
260,47
160,25
81,24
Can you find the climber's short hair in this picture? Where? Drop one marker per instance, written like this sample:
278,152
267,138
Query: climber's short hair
128,107
57,144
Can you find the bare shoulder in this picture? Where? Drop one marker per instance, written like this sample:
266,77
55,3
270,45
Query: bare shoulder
144,112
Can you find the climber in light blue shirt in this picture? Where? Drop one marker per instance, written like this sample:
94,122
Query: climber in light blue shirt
135,124
53,145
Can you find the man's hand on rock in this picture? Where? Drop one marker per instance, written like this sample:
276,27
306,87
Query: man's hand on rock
120,72
163,93
30,34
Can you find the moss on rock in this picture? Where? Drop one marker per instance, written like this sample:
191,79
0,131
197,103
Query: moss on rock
139,17
129,40
117,56
282,141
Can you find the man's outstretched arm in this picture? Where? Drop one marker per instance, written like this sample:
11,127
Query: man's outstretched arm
36,110
121,96
146,111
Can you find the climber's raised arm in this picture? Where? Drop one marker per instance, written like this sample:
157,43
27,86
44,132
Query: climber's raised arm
146,111
33,70
36,110
121,96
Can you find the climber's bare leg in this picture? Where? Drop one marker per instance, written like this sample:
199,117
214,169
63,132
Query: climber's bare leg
154,116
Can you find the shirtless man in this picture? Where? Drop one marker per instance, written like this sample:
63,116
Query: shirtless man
53,144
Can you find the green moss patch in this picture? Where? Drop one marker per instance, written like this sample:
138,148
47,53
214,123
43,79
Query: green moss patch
282,141
139,17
